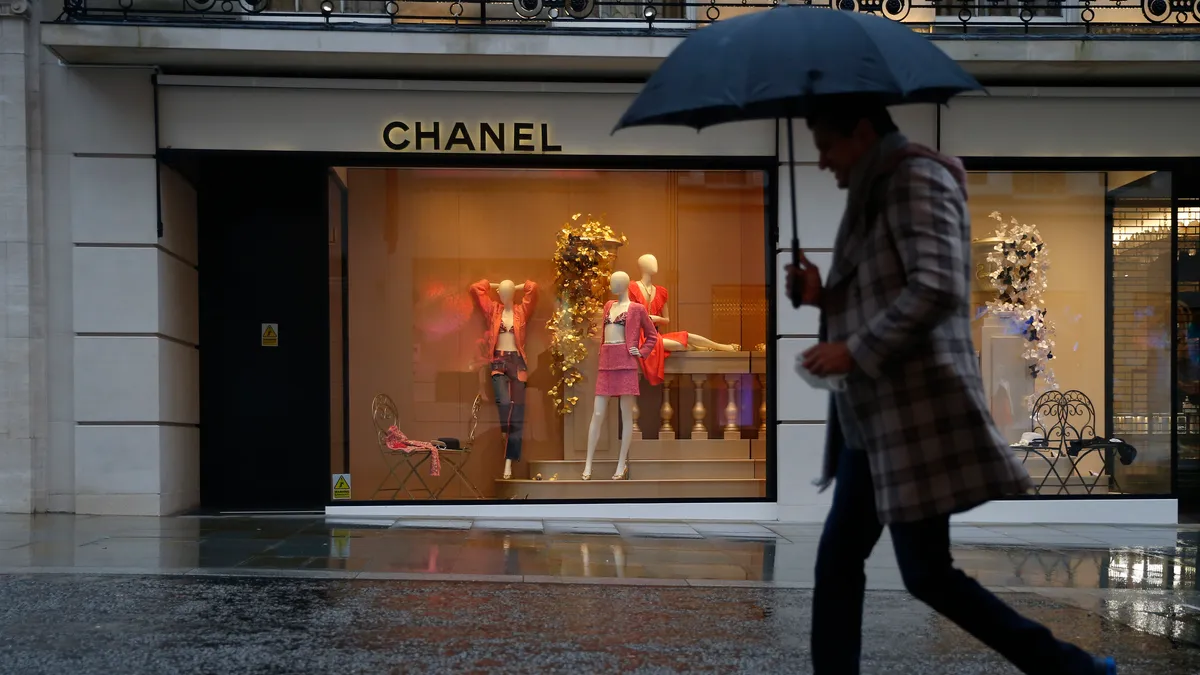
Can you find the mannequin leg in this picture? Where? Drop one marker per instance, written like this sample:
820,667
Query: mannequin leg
701,342
627,425
673,346
599,411
502,394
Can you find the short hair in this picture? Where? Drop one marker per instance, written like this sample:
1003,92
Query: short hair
842,116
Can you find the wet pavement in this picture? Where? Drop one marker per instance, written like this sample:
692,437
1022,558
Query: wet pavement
306,594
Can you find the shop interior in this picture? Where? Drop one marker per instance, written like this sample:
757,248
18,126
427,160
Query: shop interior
1083,260
467,324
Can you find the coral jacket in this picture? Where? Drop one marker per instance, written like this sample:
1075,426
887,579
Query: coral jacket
493,310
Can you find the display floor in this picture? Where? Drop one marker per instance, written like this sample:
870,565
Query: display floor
304,594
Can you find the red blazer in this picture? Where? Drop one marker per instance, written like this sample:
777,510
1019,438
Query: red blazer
493,310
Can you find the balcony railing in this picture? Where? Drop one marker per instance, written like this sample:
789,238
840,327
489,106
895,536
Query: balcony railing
984,17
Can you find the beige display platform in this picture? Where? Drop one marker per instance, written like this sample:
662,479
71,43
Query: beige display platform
702,438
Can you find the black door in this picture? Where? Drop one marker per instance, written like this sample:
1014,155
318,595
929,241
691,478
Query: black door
264,257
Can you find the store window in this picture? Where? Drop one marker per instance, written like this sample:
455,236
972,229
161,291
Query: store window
1073,299
477,339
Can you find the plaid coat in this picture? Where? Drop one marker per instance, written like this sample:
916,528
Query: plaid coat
898,294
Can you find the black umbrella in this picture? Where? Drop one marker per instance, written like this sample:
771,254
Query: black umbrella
781,62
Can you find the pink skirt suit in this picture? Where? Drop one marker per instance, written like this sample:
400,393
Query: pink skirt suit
618,374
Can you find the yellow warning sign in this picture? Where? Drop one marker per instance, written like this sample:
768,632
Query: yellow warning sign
270,335
341,486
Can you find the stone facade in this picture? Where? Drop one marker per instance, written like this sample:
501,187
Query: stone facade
23,421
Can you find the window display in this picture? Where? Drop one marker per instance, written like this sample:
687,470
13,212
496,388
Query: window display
1072,324
522,375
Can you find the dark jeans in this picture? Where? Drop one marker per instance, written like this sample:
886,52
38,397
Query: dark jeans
508,386
923,554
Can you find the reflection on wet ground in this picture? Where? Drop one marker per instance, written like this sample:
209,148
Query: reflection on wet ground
1139,576
1080,557
137,624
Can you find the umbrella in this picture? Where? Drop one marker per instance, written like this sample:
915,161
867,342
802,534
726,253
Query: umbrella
781,62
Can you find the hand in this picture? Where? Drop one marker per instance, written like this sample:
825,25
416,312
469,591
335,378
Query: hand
633,351
828,358
804,282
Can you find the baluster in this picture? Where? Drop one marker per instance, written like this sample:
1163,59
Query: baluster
732,431
666,432
762,408
699,431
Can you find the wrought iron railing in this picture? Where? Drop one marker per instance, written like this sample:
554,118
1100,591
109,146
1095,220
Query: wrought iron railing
996,17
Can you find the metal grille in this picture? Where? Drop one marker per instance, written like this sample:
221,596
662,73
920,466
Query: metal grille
1141,316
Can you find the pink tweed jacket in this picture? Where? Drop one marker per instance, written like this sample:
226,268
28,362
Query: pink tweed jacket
638,327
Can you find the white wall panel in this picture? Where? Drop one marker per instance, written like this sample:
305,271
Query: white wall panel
353,120
797,402
819,206
1046,126
178,383
178,215
116,379
112,200
918,122
179,465
178,299
117,459
116,289
789,320
99,110
800,455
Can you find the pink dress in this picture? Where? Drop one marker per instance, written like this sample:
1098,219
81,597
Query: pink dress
618,373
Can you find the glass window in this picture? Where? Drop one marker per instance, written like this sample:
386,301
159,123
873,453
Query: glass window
475,300
1073,324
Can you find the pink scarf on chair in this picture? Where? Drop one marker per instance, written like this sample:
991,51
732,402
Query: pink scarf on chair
396,440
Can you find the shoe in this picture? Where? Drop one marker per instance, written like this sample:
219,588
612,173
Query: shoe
623,475
507,475
586,476
1106,666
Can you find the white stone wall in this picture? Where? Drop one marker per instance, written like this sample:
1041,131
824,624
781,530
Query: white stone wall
23,424
123,303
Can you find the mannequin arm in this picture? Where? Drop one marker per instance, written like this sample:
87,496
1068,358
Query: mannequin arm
661,320
649,332
926,219
481,291
529,300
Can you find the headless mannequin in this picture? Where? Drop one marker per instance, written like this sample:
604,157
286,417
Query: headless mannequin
648,265
506,342
613,334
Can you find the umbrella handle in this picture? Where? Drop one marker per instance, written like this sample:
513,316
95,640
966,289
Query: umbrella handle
792,193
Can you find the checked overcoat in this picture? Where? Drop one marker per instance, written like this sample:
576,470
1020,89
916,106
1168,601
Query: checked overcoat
898,293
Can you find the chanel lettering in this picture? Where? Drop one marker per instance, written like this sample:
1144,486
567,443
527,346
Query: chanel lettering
463,137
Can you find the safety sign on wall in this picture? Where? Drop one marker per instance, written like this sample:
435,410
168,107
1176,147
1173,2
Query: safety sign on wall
341,486
270,335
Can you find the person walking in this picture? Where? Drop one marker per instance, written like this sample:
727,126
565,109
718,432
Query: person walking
910,439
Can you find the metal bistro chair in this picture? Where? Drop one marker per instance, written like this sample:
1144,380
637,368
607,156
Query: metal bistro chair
1067,420
454,460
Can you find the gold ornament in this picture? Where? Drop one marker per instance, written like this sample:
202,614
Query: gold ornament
583,260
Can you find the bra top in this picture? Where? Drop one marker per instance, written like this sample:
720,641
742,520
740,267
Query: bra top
620,320
507,329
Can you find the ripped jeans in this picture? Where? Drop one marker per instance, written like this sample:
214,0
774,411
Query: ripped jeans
508,386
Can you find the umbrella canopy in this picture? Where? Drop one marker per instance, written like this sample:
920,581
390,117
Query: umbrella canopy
778,63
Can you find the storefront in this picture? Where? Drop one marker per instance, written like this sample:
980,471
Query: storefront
430,197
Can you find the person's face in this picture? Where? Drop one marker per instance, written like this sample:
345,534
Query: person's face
838,154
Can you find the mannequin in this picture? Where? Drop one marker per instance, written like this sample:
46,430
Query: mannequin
505,340
654,299
626,325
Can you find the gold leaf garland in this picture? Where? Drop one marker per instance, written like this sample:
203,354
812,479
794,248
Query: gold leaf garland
583,260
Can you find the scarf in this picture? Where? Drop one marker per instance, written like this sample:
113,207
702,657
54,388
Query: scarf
397,441
862,180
